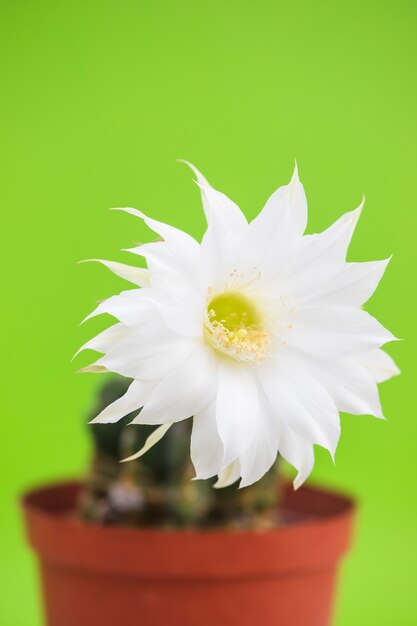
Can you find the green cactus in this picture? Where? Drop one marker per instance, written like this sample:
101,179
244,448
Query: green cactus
157,489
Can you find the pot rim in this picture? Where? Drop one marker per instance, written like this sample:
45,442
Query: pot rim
315,543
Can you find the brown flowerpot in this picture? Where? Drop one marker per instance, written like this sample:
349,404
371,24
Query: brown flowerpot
116,576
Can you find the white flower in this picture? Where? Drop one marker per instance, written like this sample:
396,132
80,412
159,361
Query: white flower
257,332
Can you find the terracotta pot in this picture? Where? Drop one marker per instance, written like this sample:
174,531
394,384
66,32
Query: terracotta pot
115,576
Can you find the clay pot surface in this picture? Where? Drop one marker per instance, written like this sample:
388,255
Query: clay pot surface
117,576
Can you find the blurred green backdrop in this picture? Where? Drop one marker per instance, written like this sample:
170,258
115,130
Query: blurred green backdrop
98,100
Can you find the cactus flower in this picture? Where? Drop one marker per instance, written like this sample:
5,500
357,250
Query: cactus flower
257,333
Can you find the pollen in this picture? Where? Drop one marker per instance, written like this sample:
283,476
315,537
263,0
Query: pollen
234,327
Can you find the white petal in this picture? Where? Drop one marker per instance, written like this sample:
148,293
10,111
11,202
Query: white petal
105,340
93,369
352,388
334,241
379,364
153,438
226,225
169,268
218,207
136,275
178,255
348,383
219,255
174,237
286,209
134,398
300,401
272,239
298,452
148,357
337,331
183,310
206,446
237,409
128,307
353,284
183,393
228,476
261,455
320,257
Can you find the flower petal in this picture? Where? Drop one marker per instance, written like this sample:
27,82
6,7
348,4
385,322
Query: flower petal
184,392
167,268
105,340
128,307
228,476
285,210
153,438
149,356
353,285
93,369
206,446
349,384
134,398
217,206
183,310
298,452
174,237
261,455
319,257
337,331
178,252
237,409
334,241
271,241
300,401
226,224
379,364
136,275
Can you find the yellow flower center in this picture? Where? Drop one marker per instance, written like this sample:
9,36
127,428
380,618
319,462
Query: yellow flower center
234,327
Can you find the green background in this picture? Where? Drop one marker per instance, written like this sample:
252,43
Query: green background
98,100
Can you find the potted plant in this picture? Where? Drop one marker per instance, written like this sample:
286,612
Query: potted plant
259,335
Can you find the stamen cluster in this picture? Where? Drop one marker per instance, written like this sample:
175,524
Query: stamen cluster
244,343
